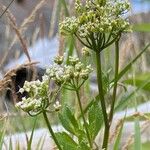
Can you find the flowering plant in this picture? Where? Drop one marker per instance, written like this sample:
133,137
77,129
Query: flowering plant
97,24
40,97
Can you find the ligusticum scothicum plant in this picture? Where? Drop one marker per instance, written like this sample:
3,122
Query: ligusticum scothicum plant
41,97
97,24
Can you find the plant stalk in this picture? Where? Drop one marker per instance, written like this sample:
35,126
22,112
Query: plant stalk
84,120
102,100
51,130
115,80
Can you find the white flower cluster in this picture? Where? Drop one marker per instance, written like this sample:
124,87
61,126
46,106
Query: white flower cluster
65,74
97,16
37,95
69,25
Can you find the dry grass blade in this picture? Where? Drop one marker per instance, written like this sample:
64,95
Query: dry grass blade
130,140
7,8
27,21
31,17
53,20
116,130
15,27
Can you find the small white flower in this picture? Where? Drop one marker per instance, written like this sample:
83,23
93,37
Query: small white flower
57,106
21,90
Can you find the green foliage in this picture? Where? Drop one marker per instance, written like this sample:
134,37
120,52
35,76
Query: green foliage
66,141
2,134
69,121
10,144
129,65
97,25
41,143
29,142
137,135
138,80
143,27
95,117
71,44
123,103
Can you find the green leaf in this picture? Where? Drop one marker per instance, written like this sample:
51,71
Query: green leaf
96,98
123,103
106,82
138,80
122,73
31,137
40,143
95,117
68,120
64,4
2,134
129,65
66,142
143,27
71,43
17,146
10,144
137,135
83,146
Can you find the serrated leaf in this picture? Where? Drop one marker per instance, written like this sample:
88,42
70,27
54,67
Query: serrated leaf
105,79
83,146
66,142
95,117
68,120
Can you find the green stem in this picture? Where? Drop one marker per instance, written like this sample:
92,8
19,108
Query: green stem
115,80
102,100
51,130
84,120
65,8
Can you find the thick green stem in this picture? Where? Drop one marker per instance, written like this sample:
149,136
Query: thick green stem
102,100
84,120
51,130
115,80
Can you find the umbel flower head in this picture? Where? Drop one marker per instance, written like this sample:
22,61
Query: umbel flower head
38,96
72,75
98,23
